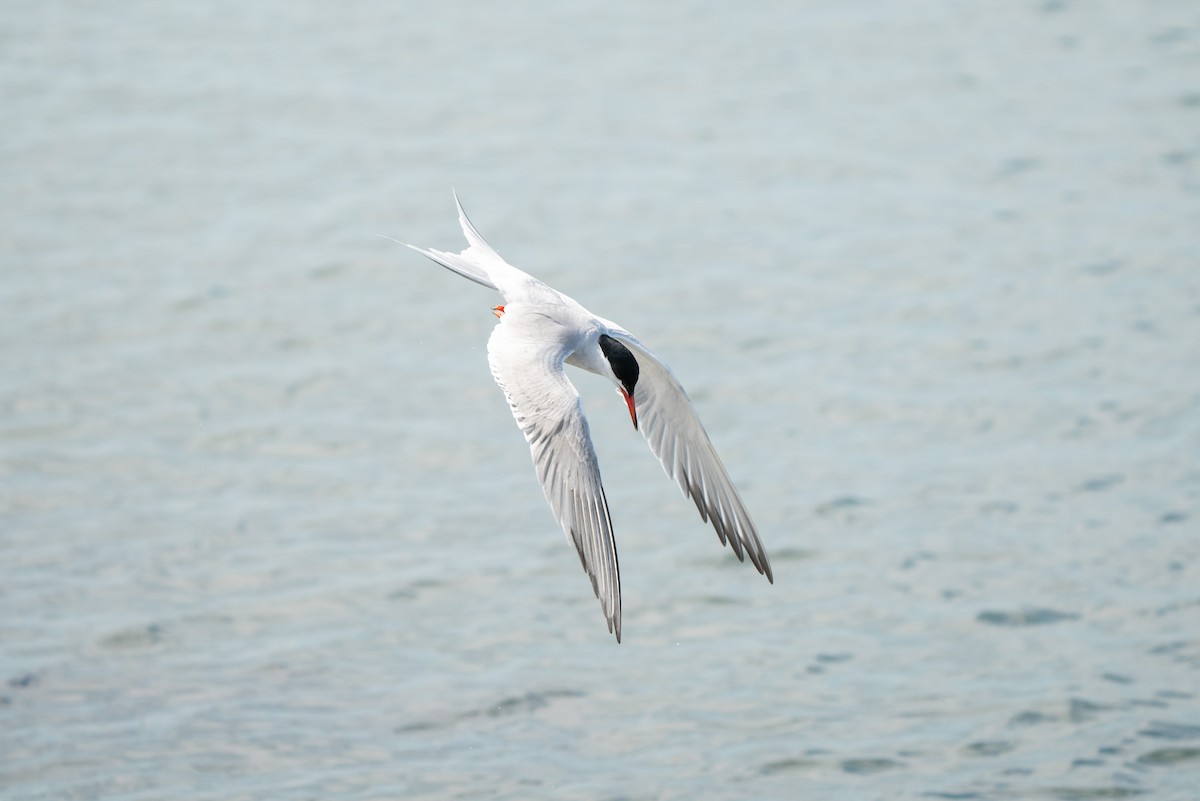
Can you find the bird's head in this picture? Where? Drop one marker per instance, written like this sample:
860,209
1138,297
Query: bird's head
624,371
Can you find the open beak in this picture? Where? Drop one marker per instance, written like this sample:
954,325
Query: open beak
629,402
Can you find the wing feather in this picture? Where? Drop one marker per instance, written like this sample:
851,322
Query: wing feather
677,437
549,411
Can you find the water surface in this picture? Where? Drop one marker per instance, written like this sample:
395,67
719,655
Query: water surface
931,275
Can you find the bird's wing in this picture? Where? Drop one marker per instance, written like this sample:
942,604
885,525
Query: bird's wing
480,263
676,436
550,413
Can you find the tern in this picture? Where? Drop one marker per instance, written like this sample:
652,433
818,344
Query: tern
539,330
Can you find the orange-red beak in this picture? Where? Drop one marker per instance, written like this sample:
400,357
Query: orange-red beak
629,402
498,310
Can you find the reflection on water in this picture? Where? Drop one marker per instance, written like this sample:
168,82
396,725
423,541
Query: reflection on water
929,276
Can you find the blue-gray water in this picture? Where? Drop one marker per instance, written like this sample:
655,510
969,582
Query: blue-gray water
930,271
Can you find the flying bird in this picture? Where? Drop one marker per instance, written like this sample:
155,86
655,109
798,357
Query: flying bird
539,330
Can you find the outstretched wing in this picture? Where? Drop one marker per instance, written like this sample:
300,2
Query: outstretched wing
676,436
550,413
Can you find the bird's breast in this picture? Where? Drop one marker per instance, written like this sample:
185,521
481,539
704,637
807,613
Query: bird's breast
563,328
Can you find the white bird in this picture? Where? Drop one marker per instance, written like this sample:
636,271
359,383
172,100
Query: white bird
539,330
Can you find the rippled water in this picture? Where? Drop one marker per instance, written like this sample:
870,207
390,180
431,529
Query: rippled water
930,271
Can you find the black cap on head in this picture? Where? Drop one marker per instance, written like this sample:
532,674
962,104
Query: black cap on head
624,366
